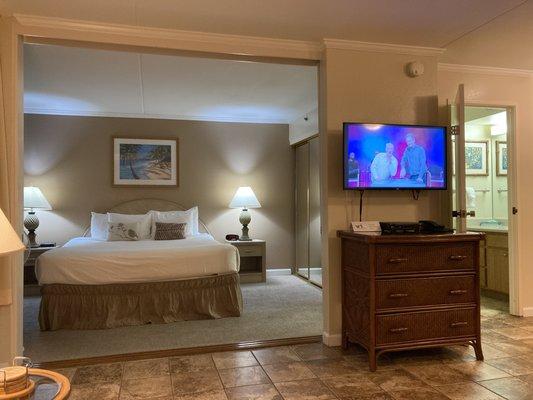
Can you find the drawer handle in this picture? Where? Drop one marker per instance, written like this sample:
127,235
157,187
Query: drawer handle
397,330
397,295
397,260
458,292
457,324
457,258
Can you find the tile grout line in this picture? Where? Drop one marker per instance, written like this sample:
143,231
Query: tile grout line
219,377
121,381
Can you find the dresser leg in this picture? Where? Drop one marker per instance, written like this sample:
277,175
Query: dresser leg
478,350
344,341
372,359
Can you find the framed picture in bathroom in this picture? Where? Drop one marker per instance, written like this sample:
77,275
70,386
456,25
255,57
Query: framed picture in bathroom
501,158
476,157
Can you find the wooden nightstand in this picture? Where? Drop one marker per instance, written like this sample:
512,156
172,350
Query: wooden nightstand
29,266
253,260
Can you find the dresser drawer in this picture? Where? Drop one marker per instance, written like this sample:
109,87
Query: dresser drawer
401,258
408,327
250,251
398,293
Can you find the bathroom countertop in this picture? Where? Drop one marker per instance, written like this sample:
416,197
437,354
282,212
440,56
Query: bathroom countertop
492,229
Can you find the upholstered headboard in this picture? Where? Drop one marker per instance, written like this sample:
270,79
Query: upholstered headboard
142,206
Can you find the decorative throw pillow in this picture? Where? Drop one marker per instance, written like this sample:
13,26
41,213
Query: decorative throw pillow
144,220
123,231
170,231
189,216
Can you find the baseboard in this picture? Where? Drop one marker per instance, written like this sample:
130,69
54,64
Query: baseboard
332,340
527,312
279,271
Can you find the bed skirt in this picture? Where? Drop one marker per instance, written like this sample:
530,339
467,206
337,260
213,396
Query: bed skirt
115,305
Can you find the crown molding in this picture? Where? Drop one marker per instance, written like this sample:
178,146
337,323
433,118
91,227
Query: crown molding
32,25
479,69
205,118
342,44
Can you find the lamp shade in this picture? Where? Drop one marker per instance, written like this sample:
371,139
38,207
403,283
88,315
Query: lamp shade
34,198
244,198
9,240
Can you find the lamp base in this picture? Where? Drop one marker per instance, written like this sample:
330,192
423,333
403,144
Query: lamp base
31,223
245,219
32,242
244,237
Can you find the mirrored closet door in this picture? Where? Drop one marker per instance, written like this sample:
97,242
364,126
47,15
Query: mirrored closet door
307,211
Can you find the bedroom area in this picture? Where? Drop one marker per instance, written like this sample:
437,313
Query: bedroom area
172,201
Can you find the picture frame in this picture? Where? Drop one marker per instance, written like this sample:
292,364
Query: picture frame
139,162
501,158
477,157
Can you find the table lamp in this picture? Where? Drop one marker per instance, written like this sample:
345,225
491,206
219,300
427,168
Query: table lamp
10,242
34,200
244,198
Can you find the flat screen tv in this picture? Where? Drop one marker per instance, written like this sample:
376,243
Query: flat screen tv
395,157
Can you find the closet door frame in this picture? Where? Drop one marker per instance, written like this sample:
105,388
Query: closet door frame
296,268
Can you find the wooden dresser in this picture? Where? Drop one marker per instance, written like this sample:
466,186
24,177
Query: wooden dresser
410,291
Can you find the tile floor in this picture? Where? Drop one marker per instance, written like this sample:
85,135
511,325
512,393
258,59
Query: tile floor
313,371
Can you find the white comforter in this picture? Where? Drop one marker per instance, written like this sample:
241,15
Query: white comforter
85,261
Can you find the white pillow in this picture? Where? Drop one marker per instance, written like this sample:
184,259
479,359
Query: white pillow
190,217
123,231
98,226
144,220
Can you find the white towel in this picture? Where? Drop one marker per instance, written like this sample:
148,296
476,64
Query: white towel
470,197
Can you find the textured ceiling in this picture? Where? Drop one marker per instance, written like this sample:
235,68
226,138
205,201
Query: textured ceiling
505,42
75,81
413,22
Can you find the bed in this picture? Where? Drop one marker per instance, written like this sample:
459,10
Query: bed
94,284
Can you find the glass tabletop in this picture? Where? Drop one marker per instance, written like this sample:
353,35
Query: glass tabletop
45,388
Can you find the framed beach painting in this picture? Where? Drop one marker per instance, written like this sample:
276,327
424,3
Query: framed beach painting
145,162
476,157
501,158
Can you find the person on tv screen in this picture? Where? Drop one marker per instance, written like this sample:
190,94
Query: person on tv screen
413,161
353,167
384,165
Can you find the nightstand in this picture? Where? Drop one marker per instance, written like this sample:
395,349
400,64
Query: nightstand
29,266
253,260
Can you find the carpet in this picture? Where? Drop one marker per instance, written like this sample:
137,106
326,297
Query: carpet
283,307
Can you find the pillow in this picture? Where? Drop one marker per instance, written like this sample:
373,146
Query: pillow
144,220
98,226
194,211
123,231
190,217
169,231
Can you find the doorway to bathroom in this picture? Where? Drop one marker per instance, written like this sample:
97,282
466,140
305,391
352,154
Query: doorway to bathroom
488,196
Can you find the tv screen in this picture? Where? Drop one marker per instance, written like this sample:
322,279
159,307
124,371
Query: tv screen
382,156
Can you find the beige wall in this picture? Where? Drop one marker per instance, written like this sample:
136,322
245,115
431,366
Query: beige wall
69,158
506,90
302,128
369,87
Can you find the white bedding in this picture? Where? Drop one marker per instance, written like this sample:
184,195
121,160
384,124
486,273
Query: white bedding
86,261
